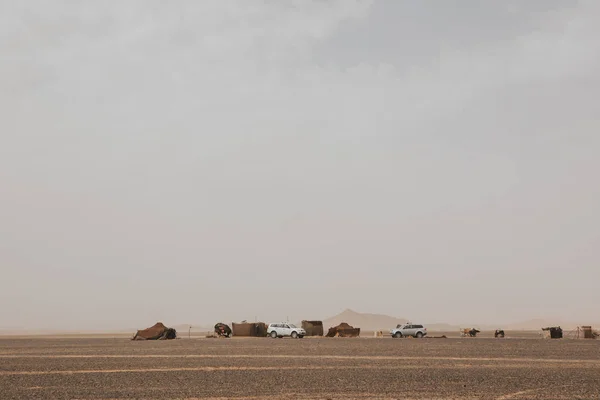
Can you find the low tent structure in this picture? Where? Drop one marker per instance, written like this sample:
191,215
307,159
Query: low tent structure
222,330
343,330
313,328
499,333
589,333
249,329
156,332
556,332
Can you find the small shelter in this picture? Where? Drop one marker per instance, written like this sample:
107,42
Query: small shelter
222,330
343,330
156,332
556,332
249,329
588,332
313,328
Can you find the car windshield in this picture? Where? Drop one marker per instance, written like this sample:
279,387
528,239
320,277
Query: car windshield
292,325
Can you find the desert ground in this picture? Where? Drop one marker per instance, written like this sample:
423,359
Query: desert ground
310,368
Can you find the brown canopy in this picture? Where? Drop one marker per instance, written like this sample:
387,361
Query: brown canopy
156,332
313,328
252,329
555,332
588,332
343,330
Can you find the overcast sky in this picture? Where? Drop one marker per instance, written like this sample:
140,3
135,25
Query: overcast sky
197,161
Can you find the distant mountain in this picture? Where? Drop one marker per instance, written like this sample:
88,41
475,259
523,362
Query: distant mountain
364,321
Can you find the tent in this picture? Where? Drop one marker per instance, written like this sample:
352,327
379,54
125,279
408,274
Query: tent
555,332
223,330
588,332
313,328
249,329
156,332
343,330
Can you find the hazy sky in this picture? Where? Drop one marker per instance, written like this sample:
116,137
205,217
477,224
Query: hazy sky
197,161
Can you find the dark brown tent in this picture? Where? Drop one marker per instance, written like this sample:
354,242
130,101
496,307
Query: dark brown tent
588,333
223,330
555,332
249,329
313,328
157,332
343,330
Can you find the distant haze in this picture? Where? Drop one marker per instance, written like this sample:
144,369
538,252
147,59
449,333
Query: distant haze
204,161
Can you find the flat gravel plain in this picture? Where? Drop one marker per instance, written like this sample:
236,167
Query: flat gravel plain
310,368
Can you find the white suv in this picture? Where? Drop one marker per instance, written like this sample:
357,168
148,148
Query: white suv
409,329
282,329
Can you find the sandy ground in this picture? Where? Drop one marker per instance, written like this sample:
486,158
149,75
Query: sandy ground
454,368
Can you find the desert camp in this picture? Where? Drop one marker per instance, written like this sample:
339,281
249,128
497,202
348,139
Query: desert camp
213,368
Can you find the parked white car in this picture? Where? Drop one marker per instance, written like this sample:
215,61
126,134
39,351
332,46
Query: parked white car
409,329
282,329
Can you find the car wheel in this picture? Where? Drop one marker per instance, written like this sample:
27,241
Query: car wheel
294,335
397,335
419,334
274,335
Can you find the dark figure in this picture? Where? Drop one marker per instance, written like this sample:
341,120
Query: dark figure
556,332
473,332
169,334
223,330
499,333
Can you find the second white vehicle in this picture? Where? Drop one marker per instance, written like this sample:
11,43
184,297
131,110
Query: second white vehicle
283,329
409,329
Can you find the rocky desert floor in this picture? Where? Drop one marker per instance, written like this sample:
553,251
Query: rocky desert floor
310,368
